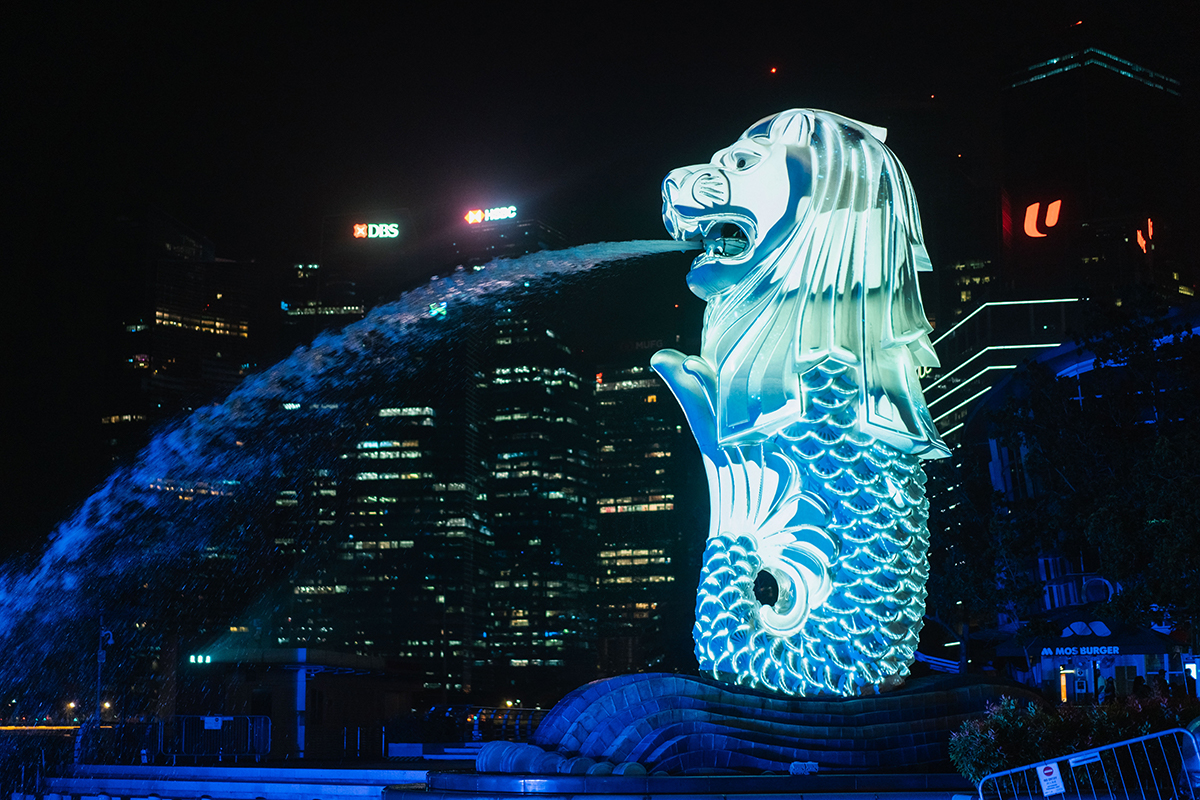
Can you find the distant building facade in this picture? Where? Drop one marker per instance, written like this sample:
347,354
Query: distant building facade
183,328
648,530
406,552
541,509
1086,212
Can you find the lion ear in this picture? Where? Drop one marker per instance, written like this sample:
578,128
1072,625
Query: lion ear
876,131
921,260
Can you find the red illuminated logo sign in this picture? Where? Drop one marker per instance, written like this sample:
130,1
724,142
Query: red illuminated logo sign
1144,240
1031,215
360,231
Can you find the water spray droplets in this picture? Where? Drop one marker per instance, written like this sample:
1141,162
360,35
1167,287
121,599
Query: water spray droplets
157,514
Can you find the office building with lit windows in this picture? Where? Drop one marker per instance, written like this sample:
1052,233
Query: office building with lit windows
403,560
1091,212
539,500
650,521
1081,215
501,232
396,546
182,328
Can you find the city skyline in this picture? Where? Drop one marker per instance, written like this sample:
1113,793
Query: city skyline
252,134
492,517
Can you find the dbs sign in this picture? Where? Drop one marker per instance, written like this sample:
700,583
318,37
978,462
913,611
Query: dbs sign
369,230
1033,211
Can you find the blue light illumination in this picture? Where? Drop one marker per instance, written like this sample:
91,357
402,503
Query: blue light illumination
155,515
806,405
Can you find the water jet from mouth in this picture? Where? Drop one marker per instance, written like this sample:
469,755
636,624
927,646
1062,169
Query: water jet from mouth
209,479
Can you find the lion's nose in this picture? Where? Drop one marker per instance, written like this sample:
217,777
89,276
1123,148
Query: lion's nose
692,190
673,183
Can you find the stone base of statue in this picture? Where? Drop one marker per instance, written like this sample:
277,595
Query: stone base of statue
681,725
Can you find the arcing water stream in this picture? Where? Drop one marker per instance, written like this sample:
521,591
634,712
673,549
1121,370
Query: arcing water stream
203,481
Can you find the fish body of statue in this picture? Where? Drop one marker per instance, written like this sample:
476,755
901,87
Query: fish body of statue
806,405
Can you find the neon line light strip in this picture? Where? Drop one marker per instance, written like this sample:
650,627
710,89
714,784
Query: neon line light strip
978,394
1004,303
952,430
967,382
980,353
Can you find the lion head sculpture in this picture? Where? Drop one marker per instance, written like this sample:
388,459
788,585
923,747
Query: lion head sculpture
812,244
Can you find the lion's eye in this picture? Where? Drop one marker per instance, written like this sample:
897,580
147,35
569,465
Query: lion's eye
744,159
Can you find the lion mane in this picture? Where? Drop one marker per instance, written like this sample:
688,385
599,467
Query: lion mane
843,286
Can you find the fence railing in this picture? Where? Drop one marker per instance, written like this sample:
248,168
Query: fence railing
218,736
1161,766
443,724
117,743
510,724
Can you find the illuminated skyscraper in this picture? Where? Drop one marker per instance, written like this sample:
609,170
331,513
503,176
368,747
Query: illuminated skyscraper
184,327
540,504
502,232
650,519
1090,205
406,558
400,546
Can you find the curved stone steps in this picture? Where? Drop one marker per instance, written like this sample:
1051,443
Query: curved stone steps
681,724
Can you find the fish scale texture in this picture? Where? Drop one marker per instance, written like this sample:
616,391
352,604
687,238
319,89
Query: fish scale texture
866,631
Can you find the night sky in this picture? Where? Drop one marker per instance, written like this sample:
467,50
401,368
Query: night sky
251,122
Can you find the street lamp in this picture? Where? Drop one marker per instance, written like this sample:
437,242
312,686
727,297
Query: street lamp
105,637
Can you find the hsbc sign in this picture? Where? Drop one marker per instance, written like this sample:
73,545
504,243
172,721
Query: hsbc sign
477,215
371,230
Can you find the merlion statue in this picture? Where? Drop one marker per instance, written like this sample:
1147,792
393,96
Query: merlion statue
805,403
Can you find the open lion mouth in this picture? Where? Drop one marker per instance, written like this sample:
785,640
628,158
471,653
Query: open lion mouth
724,240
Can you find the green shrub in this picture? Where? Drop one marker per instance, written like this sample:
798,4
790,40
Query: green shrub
1013,734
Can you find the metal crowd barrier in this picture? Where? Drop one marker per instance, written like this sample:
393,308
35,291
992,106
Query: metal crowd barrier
509,724
1161,766
217,736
